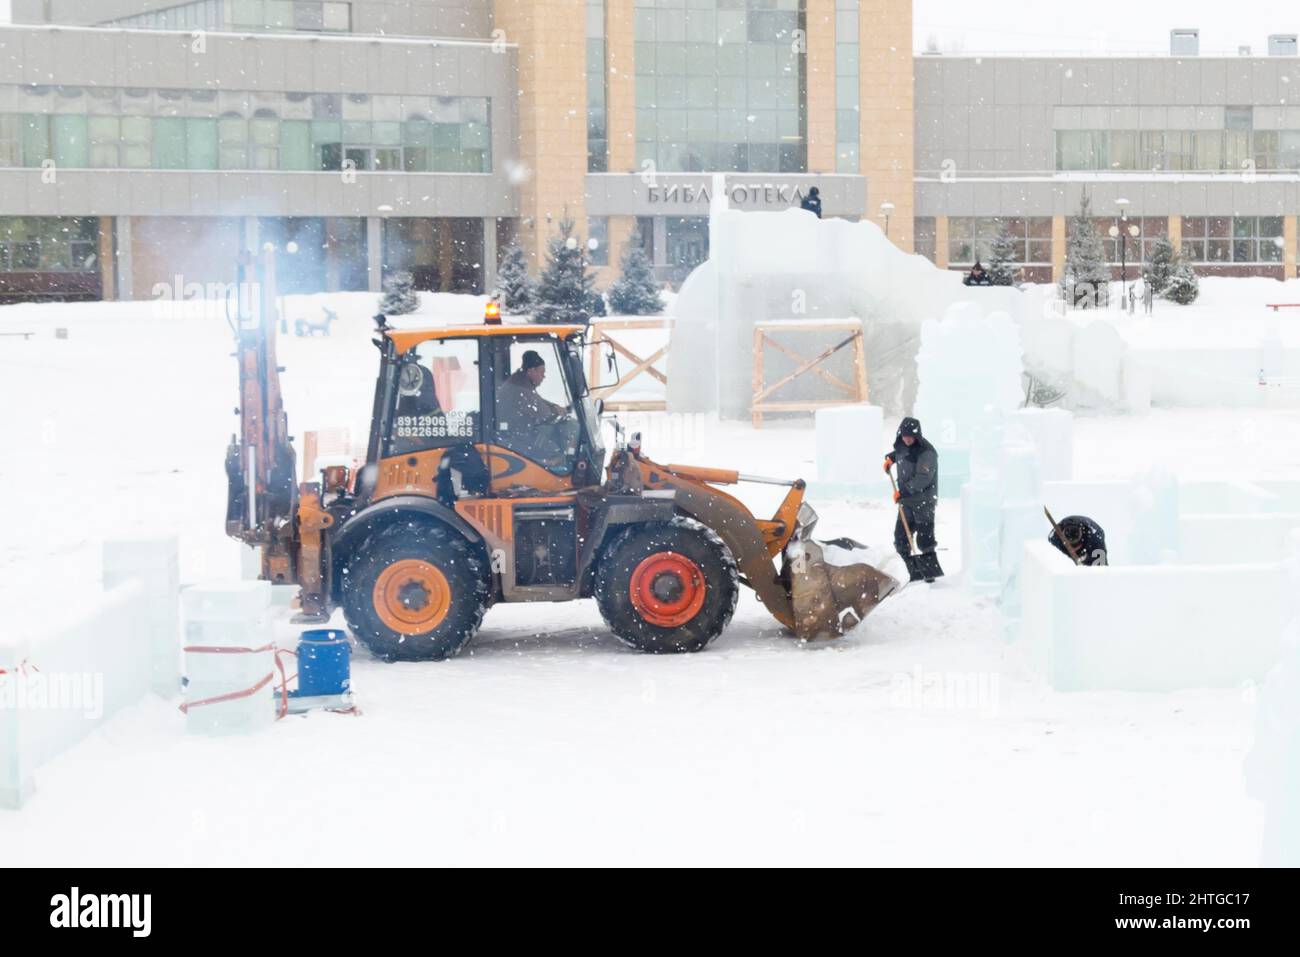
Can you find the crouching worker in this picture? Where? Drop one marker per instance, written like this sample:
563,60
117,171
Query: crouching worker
1080,539
917,496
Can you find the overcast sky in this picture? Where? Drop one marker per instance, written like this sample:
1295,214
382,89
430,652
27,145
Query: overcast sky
1117,26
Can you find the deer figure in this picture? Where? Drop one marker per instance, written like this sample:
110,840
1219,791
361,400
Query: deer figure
306,327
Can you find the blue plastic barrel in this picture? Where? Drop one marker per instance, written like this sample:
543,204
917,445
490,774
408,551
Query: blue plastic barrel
324,663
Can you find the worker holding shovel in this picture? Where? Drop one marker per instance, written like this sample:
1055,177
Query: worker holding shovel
917,495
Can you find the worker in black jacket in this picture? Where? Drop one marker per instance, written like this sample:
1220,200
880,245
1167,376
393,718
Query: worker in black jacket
917,498
813,202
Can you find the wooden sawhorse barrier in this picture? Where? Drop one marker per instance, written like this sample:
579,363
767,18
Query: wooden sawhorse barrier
852,392
600,330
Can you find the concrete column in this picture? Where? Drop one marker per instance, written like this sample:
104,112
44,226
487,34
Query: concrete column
489,254
886,135
331,257
661,241
552,111
252,234
620,84
1058,248
1289,247
941,241
125,261
1176,233
446,253
821,86
375,253
105,259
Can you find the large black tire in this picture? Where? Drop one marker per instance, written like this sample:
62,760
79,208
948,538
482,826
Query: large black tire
667,588
415,592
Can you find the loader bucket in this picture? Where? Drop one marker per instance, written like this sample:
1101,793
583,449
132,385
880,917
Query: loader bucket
832,588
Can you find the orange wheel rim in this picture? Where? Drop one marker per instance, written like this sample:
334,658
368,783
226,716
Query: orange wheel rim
667,589
412,596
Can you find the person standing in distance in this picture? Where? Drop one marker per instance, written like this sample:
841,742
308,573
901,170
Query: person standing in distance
813,202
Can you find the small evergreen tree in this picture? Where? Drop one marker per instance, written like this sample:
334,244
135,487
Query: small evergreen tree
1002,258
400,297
565,286
1183,287
1087,273
516,289
596,303
1160,266
635,292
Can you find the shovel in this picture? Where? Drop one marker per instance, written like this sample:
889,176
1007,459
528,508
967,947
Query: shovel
919,566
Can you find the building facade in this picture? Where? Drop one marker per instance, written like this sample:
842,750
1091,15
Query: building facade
1204,151
144,143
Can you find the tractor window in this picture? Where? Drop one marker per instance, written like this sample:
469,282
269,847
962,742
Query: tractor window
534,410
437,397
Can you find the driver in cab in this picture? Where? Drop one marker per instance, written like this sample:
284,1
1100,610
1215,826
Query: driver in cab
524,415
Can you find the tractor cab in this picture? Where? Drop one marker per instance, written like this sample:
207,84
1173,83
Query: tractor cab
488,409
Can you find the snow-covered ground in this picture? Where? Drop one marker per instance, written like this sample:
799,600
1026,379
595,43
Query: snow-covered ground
548,741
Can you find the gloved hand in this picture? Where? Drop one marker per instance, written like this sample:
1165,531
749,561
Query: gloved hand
889,463
898,497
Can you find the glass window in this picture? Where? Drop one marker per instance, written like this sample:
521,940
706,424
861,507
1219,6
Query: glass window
278,15
71,142
923,232
1209,150
201,144
246,13
136,148
1236,149
48,244
169,143
732,59
105,132
11,153
1151,150
1289,149
36,140
437,398
1238,118
534,414
1080,150
1266,149
102,137
308,16
233,134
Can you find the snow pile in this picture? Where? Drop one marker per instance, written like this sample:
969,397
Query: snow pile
1227,349
791,265
969,367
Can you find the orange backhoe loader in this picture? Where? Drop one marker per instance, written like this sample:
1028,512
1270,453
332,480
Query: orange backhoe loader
485,481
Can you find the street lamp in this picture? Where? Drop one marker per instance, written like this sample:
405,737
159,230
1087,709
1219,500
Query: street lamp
1123,231
885,209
